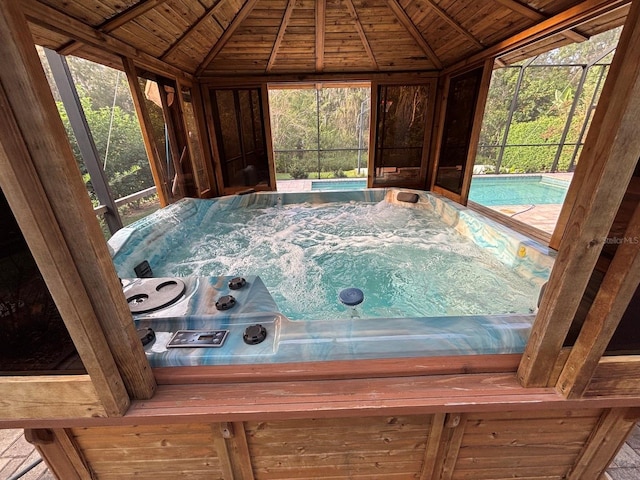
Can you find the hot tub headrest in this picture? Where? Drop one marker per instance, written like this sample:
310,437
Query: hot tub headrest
407,197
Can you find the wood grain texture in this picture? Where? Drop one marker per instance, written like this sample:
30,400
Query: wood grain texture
61,454
53,19
406,21
320,21
615,376
617,288
347,369
604,442
228,32
37,117
60,396
608,160
28,179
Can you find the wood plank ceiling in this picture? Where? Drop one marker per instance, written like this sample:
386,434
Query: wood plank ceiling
256,37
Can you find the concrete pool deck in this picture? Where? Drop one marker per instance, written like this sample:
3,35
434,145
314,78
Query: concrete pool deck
541,216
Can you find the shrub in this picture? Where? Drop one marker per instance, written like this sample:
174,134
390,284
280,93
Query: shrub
299,173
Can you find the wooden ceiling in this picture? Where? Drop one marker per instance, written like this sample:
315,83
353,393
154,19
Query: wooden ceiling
206,38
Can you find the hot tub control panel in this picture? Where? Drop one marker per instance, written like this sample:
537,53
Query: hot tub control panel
198,338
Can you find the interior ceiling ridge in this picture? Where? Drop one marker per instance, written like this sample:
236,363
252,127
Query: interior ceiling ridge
361,33
406,21
356,32
286,16
241,15
452,22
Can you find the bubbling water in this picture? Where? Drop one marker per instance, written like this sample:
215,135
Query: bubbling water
407,261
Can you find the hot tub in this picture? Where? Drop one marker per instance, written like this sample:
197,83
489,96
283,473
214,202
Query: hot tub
417,263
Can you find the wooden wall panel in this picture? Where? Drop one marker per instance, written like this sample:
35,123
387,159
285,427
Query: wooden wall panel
150,452
532,445
371,447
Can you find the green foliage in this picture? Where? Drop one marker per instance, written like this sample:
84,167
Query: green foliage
298,172
542,106
305,120
126,165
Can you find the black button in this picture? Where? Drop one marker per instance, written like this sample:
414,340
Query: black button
254,334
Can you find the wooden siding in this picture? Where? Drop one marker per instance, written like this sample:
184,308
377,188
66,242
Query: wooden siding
150,452
507,445
383,447
533,445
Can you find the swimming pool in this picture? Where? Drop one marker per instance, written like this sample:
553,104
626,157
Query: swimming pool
351,184
494,190
489,190
211,240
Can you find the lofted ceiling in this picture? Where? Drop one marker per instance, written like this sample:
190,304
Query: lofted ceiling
206,38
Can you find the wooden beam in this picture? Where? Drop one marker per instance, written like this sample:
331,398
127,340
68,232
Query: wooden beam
52,19
607,163
202,20
406,22
224,38
363,36
30,205
445,16
603,444
157,166
283,27
222,450
574,16
51,396
320,17
115,22
129,14
341,369
533,14
43,155
433,446
615,376
617,289
454,433
24,161
61,454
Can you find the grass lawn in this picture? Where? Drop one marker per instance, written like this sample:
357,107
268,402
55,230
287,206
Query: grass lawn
325,175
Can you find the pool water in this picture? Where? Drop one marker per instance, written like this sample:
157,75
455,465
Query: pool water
324,185
487,190
407,261
517,190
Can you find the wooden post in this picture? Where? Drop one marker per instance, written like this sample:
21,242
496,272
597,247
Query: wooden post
481,102
605,441
617,289
157,168
47,154
60,452
607,163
